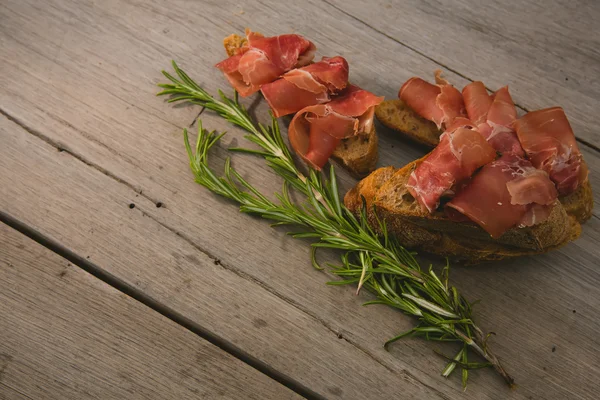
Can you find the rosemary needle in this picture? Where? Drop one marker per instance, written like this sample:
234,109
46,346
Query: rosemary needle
370,259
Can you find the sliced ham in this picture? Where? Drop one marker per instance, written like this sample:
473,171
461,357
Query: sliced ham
494,116
530,185
331,72
284,51
461,122
454,160
500,118
506,193
264,59
548,140
306,86
440,103
477,102
316,131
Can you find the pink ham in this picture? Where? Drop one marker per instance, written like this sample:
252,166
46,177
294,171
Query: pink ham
316,131
264,59
493,115
506,193
306,86
550,144
460,122
330,71
440,103
500,118
454,160
477,102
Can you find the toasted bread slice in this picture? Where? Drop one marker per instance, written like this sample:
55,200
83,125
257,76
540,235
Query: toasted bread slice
385,192
232,43
580,203
357,154
395,114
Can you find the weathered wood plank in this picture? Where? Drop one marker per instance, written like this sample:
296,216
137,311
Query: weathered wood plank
547,51
79,205
63,67
67,335
140,145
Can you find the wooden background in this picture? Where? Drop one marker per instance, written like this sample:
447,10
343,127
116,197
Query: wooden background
141,284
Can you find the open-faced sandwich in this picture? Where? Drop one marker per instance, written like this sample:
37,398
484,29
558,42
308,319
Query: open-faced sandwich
331,117
494,187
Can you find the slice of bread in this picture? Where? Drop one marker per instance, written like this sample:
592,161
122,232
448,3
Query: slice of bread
385,193
358,154
232,43
395,114
580,203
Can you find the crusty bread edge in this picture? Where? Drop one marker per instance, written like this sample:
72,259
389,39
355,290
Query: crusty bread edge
578,204
397,115
447,244
362,164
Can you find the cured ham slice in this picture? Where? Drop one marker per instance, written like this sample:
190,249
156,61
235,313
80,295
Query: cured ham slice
461,122
500,118
263,59
506,193
548,140
316,131
477,102
454,160
440,103
306,86
493,115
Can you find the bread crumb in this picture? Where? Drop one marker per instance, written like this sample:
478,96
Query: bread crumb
499,203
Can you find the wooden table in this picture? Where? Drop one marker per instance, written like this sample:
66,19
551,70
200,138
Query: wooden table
122,278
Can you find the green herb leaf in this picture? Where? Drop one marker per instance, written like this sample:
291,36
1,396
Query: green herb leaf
372,260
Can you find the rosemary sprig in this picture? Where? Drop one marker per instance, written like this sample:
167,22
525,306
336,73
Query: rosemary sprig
375,261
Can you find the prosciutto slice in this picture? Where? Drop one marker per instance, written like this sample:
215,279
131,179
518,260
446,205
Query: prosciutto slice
306,86
548,140
493,115
440,103
506,193
500,118
263,59
454,160
316,131
477,102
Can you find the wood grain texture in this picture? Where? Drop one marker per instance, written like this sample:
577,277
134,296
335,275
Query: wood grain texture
61,58
80,206
545,50
67,335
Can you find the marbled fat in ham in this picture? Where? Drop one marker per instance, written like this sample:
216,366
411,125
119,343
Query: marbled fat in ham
494,116
506,193
316,131
550,144
306,86
500,118
440,103
264,59
454,160
511,191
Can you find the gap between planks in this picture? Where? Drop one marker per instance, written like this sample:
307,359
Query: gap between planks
168,312
523,108
155,305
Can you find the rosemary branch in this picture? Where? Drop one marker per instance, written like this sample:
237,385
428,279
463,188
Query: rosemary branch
374,261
